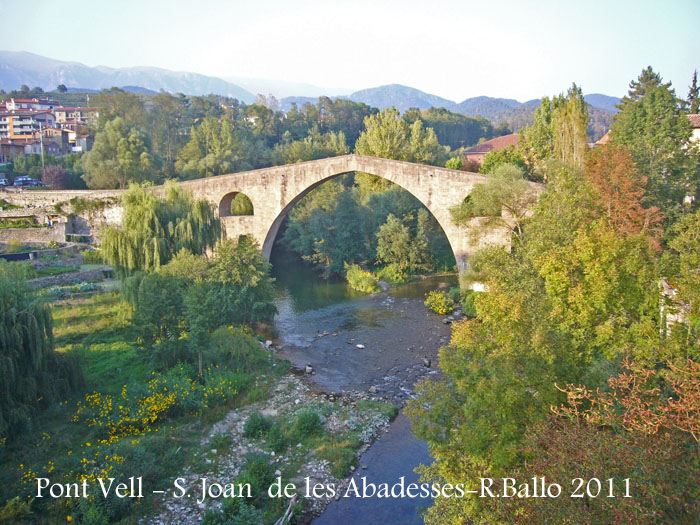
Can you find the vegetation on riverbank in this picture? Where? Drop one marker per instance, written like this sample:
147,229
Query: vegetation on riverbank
577,364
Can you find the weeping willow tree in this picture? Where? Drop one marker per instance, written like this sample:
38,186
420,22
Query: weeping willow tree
154,230
32,375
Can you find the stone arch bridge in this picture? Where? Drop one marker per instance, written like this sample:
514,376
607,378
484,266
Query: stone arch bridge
274,192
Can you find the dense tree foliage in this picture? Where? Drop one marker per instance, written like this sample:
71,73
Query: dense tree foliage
389,136
506,190
175,136
509,155
194,296
579,293
653,127
121,155
154,229
32,375
643,427
314,146
454,129
611,170
558,132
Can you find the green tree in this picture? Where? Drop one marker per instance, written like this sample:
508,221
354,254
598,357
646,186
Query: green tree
651,125
388,136
558,132
166,124
454,129
121,155
535,141
243,287
158,312
330,236
694,94
569,124
154,230
313,146
32,374
215,147
397,245
394,243
510,155
61,88
455,163
505,190
562,308
117,103
685,255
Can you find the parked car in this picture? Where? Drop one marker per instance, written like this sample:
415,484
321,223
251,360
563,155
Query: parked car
22,180
3,181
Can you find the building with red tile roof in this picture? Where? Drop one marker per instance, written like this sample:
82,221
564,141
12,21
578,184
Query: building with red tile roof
477,153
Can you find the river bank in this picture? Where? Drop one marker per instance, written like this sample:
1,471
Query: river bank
377,346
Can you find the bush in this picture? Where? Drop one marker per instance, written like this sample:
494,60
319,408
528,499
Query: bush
468,306
466,299
360,280
169,352
236,348
276,438
92,257
392,273
256,426
439,302
234,511
341,455
259,474
306,424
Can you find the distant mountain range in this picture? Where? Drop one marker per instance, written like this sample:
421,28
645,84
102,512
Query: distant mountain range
19,67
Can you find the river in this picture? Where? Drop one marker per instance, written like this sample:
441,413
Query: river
379,344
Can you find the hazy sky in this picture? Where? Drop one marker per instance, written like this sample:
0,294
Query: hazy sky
454,49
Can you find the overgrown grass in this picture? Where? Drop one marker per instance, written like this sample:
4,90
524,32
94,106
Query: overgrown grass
129,420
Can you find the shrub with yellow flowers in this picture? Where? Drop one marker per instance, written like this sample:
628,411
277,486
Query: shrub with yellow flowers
439,302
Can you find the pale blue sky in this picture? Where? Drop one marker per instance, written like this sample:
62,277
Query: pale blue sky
454,49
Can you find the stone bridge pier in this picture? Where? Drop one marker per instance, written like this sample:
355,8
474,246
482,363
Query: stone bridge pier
274,192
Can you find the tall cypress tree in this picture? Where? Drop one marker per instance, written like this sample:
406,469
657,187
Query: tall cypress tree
694,94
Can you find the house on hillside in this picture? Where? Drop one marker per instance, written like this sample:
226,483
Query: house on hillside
35,104
476,154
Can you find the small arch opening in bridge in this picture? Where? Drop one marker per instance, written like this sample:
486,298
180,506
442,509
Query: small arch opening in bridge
235,204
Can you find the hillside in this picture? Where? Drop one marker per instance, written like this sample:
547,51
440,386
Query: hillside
400,97
518,115
19,67
484,106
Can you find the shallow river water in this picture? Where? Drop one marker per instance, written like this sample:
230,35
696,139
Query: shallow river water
321,324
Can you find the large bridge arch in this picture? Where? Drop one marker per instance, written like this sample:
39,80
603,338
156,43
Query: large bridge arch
274,192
